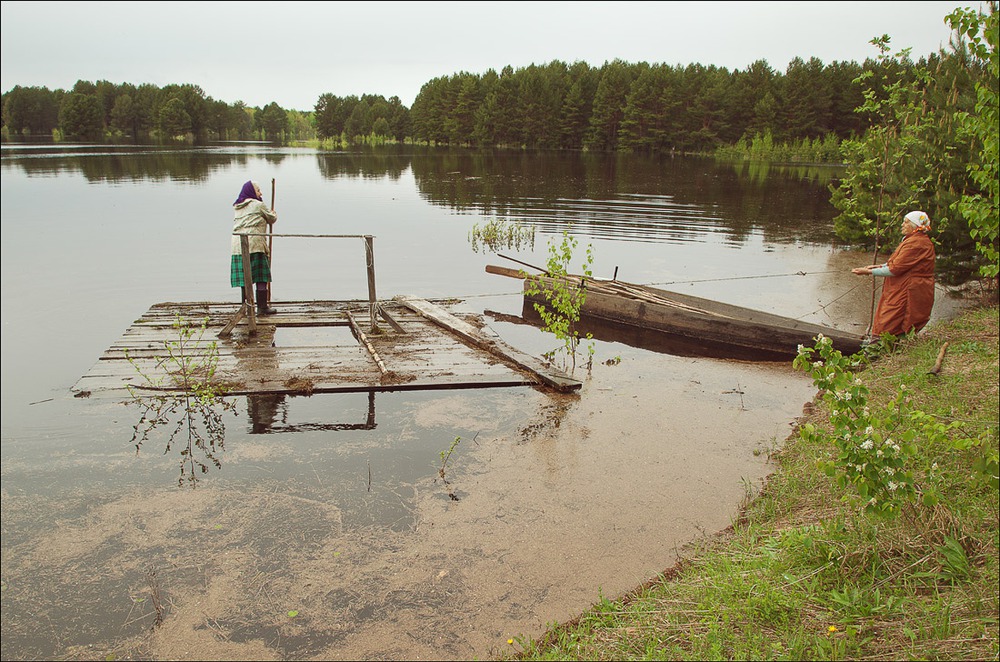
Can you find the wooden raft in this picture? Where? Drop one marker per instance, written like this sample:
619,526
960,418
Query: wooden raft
319,347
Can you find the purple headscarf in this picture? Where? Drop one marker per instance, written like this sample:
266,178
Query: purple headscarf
247,193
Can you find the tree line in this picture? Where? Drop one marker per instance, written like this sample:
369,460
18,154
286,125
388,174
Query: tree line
103,110
618,106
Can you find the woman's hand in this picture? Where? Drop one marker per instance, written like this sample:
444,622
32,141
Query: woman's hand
864,271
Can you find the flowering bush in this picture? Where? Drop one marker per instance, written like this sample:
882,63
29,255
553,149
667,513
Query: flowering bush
877,447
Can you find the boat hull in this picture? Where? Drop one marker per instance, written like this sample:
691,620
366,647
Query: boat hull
721,329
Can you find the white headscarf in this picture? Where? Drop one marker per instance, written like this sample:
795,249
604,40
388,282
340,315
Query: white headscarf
920,220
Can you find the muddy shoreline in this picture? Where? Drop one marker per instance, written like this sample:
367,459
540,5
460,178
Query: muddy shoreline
592,494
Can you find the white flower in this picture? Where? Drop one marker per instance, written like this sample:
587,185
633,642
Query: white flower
934,467
895,448
867,445
800,349
847,396
892,486
817,364
869,430
857,381
879,453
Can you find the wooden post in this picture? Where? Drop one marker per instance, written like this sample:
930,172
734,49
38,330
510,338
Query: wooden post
247,307
248,284
370,260
270,242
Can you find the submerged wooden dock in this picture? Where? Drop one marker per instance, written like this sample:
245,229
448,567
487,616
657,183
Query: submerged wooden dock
316,347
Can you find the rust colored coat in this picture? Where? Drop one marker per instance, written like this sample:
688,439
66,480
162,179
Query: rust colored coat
907,295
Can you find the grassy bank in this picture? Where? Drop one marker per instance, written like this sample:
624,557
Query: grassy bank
807,573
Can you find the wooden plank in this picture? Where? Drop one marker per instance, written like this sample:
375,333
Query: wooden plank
550,376
227,330
363,339
429,382
391,320
504,271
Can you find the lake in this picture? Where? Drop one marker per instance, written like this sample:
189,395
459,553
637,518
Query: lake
326,530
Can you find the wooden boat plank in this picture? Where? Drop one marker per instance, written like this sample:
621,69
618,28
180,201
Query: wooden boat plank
701,319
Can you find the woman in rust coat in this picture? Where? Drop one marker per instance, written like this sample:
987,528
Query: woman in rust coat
908,293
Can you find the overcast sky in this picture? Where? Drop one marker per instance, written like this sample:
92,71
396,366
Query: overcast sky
292,52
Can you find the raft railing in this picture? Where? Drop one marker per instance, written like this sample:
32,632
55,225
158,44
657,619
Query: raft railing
248,307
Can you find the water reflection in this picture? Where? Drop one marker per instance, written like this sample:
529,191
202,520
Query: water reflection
266,409
641,338
390,163
193,425
610,196
196,432
629,197
268,414
105,163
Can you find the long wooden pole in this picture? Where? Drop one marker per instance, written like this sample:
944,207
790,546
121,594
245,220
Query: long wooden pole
270,242
524,263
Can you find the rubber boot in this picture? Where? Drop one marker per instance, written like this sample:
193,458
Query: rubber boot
262,307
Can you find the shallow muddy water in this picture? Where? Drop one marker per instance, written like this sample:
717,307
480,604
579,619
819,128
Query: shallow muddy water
558,498
338,526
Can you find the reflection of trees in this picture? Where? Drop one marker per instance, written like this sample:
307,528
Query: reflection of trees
106,164
371,163
628,195
614,196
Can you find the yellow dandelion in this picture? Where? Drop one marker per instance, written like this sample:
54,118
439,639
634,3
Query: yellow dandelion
510,641
832,629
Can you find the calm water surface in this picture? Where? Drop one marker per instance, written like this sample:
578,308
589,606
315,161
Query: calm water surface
95,234
92,533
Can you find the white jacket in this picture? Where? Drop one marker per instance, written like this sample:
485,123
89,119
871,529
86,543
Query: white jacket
252,217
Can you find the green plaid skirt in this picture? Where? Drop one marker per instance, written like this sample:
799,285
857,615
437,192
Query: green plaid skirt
260,269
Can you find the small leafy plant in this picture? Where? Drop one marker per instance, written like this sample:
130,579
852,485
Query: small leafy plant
184,399
445,458
564,298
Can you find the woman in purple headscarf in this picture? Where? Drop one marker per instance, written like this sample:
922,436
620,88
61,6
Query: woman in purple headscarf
252,218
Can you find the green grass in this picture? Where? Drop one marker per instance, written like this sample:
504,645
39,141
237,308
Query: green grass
804,574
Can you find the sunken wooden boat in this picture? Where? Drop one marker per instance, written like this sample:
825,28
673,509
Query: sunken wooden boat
694,325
